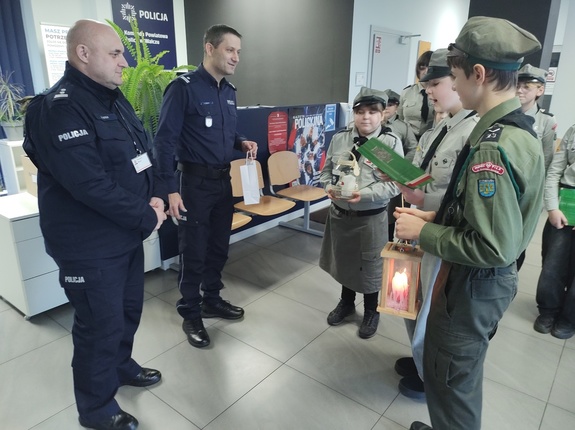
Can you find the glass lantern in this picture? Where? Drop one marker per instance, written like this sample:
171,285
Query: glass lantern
400,280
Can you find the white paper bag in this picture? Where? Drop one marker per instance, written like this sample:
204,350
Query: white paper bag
250,186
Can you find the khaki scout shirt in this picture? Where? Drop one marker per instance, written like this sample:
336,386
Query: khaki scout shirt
409,109
545,126
500,196
561,170
405,133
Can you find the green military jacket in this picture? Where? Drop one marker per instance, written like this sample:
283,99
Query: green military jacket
499,193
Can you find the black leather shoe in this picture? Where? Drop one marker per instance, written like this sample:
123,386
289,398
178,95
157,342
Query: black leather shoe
544,323
145,378
405,366
221,309
416,425
369,324
196,332
562,330
121,421
412,387
341,311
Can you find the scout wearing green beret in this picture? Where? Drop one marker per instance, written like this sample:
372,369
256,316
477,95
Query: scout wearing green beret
530,87
487,218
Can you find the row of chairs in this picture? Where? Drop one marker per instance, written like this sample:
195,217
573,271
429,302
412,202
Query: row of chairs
283,170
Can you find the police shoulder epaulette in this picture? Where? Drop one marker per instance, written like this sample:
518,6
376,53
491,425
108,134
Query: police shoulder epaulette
60,95
185,78
231,85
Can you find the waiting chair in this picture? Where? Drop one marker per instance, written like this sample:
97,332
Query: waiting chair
283,167
268,205
239,220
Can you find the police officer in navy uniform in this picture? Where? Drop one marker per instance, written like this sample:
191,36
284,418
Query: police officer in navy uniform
97,204
198,126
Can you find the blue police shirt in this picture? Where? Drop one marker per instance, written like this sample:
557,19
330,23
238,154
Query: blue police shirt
82,137
197,124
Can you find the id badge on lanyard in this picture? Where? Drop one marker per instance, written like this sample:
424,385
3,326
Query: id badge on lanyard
141,162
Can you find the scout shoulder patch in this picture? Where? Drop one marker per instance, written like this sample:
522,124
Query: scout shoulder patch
486,187
488,166
492,134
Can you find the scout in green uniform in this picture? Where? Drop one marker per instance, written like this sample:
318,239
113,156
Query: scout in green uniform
530,87
487,218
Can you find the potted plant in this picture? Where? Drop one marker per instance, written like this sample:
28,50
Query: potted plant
11,114
144,84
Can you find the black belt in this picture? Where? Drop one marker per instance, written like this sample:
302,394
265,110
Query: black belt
204,171
359,213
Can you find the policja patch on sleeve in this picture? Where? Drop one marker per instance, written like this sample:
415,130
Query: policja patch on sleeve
486,187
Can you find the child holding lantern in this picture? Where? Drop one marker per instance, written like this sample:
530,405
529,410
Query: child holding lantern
356,225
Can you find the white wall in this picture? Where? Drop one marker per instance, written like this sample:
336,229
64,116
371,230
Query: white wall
438,22
563,93
67,12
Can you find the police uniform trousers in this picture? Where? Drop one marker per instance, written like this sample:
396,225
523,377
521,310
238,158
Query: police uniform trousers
351,249
107,296
555,290
464,311
204,239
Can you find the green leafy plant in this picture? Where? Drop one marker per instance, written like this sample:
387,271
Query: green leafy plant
10,95
144,84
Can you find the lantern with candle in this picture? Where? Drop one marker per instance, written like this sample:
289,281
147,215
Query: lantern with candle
400,281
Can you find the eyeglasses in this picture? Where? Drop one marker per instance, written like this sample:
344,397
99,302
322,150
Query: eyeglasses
526,86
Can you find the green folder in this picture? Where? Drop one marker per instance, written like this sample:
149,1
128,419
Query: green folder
567,204
394,165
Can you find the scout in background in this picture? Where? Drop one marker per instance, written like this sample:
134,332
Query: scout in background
530,87
356,225
555,292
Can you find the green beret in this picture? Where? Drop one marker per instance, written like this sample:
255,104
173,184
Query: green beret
438,67
494,42
532,74
392,96
369,96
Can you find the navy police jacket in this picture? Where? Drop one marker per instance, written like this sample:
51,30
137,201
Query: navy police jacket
197,124
82,137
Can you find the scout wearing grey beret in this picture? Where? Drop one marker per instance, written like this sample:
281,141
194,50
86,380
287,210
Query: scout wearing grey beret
494,43
369,96
530,73
438,67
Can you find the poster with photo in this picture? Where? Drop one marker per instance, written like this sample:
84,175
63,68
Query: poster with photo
307,139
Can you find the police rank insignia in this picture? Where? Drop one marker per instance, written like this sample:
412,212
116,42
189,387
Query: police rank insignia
486,187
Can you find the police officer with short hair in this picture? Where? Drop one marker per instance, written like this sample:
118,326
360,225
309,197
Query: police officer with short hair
97,205
197,125
530,87
487,218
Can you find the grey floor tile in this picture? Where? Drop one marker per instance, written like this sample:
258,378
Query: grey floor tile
271,236
63,315
37,385
563,392
160,330
359,369
277,326
556,418
508,409
19,336
387,424
392,327
508,363
159,281
528,277
315,288
289,400
201,383
303,246
404,411
268,269
522,314
241,249
4,306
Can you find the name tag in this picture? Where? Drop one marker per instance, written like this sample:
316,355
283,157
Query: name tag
141,162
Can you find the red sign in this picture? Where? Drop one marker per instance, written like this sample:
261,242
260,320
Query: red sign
277,131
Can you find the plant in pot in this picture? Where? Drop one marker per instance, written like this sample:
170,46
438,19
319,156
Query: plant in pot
144,84
11,113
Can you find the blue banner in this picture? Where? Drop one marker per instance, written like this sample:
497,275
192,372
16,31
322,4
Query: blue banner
156,23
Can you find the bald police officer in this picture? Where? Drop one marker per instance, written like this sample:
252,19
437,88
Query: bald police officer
95,195
530,87
489,213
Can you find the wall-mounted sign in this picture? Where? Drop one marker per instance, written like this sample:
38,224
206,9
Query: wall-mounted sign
156,23
54,41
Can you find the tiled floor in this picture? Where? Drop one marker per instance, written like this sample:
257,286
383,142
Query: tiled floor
282,366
